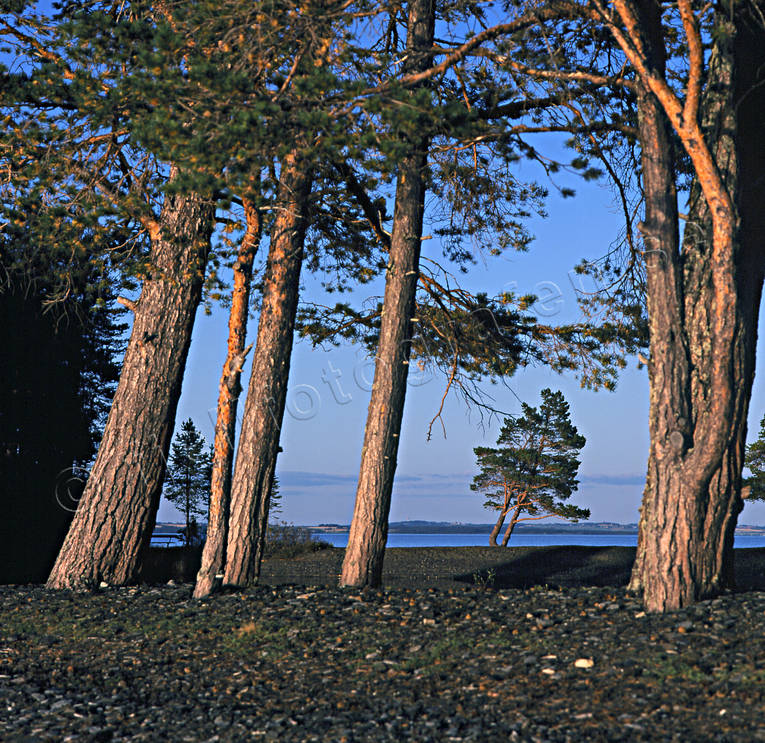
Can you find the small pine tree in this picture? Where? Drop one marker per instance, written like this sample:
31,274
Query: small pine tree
274,499
755,462
187,481
533,469
208,470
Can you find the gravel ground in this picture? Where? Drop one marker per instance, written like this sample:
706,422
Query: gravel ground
449,657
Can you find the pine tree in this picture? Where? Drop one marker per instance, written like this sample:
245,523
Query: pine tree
702,290
533,469
696,78
187,480
222,456
274,499
362,565
755,462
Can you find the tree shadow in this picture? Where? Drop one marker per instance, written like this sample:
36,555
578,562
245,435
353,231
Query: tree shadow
560,567
572,566
749,565
161,564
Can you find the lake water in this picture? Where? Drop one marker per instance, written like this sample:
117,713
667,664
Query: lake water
517,540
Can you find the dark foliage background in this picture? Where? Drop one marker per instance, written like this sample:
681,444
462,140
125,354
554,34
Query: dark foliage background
58,371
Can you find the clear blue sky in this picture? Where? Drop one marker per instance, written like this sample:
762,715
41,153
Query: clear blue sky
329,393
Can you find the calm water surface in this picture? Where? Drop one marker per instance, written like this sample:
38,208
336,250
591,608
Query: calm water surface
517,540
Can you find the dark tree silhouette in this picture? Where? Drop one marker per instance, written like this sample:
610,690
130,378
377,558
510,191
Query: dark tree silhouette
57,373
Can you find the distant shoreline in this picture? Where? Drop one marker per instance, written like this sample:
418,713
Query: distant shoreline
474,529
434,527
439,527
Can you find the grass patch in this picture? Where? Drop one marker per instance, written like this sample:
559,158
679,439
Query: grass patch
674,669
285,541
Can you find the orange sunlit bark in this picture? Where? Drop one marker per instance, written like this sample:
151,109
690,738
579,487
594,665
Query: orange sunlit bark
214,555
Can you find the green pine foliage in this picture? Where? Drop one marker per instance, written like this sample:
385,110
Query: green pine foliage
479,116
223,89
533,469
187,480
60,329
755,462
73,182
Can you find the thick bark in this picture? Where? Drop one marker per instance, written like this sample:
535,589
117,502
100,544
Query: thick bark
266,396
737,120
116,513
261,519
364,554
668,367
210,575
703,307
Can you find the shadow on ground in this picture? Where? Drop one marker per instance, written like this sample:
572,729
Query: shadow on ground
558,567
750,569
512,567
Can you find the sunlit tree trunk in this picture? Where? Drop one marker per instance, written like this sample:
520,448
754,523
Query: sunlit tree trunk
116,514
266,396
501,518
703,305
497,528
364,554
210,574
511,526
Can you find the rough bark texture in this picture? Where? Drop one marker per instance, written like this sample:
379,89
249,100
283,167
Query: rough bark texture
266,396
664,290
116,513
210,575
703,305
364,554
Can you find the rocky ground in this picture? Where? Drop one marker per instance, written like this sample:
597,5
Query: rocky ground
451,650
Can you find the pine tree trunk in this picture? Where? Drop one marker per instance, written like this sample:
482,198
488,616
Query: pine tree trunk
703,308
188,520
497,528
210,574
261,524
511,527
364,554
116,513
664,290
264,408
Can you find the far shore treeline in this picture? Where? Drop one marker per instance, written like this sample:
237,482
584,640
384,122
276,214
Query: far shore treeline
449,527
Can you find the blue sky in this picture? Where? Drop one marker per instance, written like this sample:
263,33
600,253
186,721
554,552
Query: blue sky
329,393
